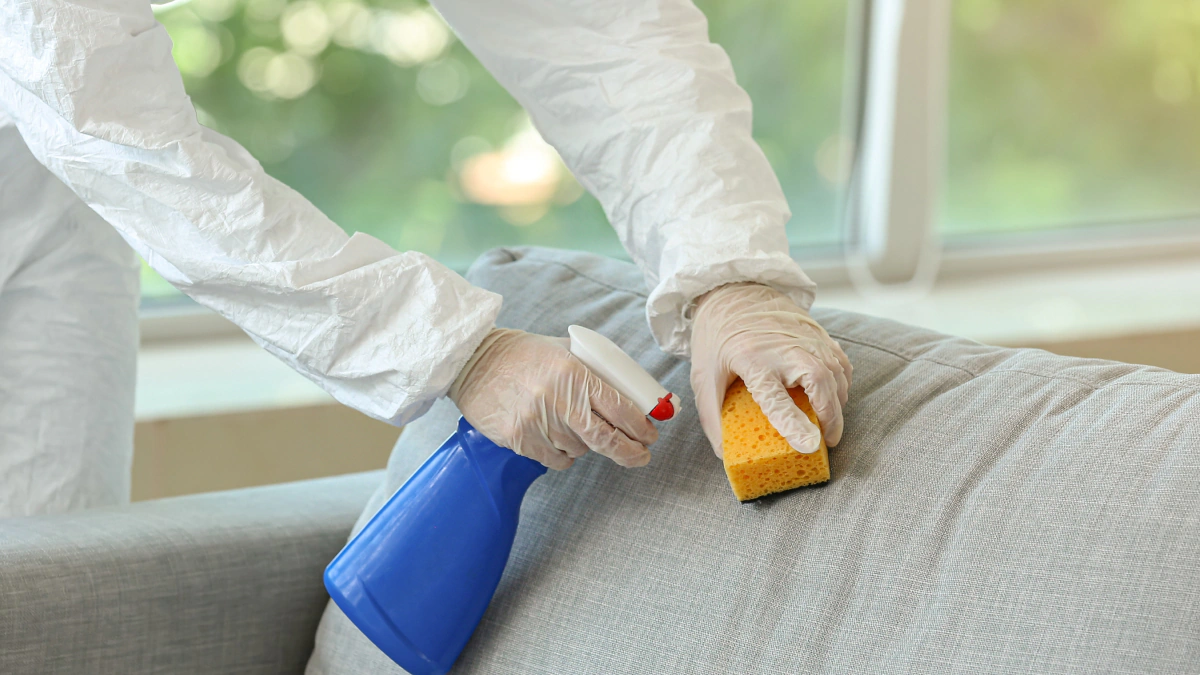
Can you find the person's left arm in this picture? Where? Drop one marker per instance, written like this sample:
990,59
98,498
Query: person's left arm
646,112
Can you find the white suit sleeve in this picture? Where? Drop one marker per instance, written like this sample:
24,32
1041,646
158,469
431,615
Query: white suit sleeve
646,112
97,98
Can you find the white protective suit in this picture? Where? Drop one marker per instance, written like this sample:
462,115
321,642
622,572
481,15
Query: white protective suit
643,108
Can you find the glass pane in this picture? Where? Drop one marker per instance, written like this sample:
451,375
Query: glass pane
1072,112
375,113
789,57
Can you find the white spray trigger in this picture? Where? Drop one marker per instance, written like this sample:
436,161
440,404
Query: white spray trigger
619,371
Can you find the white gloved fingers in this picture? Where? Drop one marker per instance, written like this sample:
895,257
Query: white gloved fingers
813,363
789,420
829,358
821,386
527,393
709,390
762,335
843,370
605,439
555,459
539,448
567,441
549,456
619,411
847,371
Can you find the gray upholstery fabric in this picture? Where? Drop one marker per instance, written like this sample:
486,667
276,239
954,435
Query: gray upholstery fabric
226,582
991,510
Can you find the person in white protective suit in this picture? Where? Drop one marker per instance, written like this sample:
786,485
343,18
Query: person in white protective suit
101,151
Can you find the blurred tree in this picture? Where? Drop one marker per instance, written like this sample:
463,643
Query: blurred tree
1061,113
1072,112
374,112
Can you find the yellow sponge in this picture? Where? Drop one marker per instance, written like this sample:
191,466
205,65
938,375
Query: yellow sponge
758,460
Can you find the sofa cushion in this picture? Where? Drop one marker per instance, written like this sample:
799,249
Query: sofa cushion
221,583
990,510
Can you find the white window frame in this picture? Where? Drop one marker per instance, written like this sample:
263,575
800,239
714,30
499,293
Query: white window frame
897,60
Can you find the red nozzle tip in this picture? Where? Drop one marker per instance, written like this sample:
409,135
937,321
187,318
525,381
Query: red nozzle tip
665,410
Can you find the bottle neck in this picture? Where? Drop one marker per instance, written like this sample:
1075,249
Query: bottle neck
506,474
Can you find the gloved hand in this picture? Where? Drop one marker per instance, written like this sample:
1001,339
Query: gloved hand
528,393
757,333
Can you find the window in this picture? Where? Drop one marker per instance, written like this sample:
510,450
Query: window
789,57
1072,113
375,113
936,123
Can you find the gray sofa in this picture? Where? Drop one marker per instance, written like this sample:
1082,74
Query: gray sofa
991,510
226,582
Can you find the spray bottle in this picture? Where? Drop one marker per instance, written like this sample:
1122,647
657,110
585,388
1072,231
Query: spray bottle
417,578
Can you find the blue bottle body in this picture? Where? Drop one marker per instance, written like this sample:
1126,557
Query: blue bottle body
418,577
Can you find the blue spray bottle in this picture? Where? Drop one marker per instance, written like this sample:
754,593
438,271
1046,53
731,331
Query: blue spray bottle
418,577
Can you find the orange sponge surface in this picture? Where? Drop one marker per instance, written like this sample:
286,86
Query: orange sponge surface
758,460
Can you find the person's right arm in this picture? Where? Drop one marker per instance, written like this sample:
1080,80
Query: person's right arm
96,95
98,99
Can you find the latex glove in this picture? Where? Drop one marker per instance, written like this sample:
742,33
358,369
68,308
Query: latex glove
528,393
757,333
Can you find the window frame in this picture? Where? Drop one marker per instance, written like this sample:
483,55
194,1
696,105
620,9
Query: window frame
892,203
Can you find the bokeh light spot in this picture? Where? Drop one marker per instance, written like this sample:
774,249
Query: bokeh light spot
409,38
289,75
351,22
306,28
264,10
197,50
252,68
215,11
833,159
442,82
525,172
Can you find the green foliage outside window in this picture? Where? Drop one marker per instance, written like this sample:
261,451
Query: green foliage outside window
1060,113
1072,112
380,117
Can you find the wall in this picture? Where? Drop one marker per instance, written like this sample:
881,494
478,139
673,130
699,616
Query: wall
233,450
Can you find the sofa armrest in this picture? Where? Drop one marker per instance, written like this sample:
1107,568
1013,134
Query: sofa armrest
224,582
